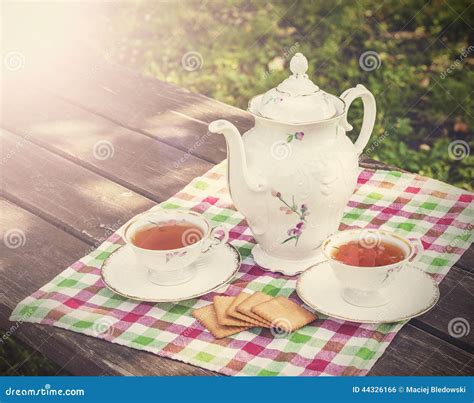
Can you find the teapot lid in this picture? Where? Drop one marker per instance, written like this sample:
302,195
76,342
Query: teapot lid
297,99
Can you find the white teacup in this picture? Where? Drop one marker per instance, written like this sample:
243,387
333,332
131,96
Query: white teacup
174,266
367,286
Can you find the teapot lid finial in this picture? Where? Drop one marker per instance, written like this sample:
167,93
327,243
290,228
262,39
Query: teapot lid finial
298,64
298,83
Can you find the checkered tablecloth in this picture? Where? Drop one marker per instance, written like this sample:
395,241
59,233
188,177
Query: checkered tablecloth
408,204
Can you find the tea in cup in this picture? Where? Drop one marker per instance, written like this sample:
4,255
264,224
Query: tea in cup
366,262
168,242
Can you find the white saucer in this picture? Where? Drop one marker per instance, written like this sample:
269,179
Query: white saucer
121,274
412,293
284,266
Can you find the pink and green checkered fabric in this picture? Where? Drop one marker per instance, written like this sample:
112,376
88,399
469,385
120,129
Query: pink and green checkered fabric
408,204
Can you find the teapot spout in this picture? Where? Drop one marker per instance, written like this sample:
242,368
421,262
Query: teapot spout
246,190
238,173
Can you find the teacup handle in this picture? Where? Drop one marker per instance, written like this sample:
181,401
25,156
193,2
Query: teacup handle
213,240
418,249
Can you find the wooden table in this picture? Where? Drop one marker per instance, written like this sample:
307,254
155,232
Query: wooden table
66,201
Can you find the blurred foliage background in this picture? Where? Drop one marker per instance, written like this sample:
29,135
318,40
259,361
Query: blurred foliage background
423,83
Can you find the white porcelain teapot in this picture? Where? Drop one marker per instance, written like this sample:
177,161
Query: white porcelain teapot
293,173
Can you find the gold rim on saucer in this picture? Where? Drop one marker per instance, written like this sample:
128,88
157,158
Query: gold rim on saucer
136,298
306,300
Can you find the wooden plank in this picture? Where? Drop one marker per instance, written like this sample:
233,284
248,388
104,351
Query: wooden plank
145,165
70,358
415,352
448,318
46,252
466,262
366,162
146,95
89,356
159,110
68,195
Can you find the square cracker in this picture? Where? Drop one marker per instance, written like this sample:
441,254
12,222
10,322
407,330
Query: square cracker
232,312
284,314
245,307
221,304
208,318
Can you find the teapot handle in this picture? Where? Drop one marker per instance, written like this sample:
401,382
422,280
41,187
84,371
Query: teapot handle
368,99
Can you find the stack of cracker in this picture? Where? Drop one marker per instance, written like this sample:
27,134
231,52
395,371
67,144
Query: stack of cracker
231,315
